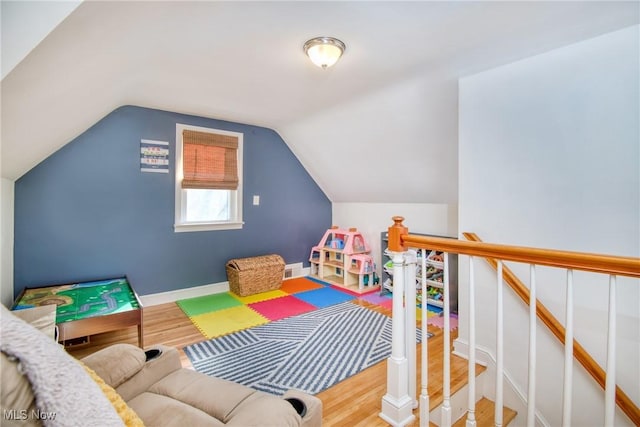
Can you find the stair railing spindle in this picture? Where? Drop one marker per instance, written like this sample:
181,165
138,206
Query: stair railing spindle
567,393
610,383
499,347
471,413
424,380
446,365
410,319
531,392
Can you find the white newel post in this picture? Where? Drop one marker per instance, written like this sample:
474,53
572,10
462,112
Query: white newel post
397,405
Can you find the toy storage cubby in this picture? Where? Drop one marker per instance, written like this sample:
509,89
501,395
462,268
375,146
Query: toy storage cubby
435,276
343,258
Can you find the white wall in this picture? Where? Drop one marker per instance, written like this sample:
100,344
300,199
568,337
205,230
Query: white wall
549,156
373,218
6,244
394,144
27,23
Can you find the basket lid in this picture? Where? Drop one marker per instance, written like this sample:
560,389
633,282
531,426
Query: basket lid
242,264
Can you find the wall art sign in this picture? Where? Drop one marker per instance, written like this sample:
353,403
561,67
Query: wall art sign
154,156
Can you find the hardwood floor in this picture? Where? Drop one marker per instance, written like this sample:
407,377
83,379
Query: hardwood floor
353,402
163,324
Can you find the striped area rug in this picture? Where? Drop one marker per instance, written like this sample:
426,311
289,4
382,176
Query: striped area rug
309,352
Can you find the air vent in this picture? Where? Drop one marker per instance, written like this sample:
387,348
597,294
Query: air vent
293,270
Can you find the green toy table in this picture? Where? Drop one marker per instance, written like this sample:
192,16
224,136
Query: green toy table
88,308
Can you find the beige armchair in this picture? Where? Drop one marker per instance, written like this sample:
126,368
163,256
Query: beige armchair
43,384
163,393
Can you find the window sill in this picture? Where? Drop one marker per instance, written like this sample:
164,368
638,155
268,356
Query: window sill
207,226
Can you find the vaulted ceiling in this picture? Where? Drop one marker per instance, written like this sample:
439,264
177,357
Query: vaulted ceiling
380,126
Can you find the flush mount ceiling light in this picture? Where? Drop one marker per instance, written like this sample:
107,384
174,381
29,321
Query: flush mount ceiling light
324,51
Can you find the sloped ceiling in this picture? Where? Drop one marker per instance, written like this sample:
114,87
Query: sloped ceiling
380,126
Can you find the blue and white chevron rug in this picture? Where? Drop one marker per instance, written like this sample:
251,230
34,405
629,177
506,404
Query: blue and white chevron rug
309,352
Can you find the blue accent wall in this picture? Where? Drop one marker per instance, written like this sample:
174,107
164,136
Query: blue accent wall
88,212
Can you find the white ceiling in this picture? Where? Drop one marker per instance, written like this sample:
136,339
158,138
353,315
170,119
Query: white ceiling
385,114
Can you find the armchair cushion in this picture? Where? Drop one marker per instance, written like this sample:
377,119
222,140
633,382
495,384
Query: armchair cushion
158,410
228,402
117,363
220,399
127,415
152,372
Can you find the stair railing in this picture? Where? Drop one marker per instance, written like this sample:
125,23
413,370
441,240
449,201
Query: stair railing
400,400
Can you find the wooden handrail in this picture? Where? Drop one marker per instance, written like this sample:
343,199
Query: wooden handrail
579,353
399,240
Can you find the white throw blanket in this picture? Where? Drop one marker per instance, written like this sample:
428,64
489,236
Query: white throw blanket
60,384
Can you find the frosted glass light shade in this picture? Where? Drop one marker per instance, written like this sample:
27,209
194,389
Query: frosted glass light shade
324,51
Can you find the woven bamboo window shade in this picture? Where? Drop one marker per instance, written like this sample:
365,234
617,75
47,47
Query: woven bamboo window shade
209,160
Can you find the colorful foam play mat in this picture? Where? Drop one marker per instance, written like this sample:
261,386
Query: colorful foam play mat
220,314
224,313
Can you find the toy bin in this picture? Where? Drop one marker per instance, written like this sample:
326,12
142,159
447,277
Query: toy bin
248,276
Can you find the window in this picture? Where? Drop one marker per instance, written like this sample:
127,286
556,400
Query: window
208,179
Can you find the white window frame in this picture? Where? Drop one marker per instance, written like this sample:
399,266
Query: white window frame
235,200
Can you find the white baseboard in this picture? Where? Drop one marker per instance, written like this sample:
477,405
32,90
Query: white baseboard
178,294
213,288
296,270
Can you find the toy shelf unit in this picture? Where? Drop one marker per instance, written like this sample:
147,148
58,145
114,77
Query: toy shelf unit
343,258
434,272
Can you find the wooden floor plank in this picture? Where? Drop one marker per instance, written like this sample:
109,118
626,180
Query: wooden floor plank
485,412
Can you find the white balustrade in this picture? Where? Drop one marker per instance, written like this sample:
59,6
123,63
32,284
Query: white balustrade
400,399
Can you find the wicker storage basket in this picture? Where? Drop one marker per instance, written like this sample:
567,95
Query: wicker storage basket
248,276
